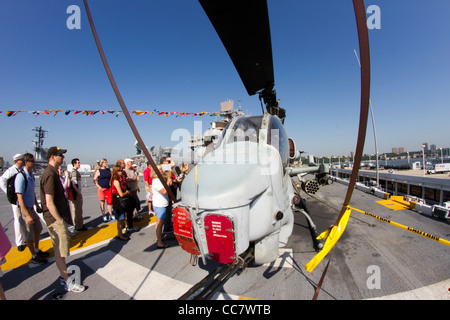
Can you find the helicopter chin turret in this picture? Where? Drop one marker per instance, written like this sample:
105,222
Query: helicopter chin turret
238,196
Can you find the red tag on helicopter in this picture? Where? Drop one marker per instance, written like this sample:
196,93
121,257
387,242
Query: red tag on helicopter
220,238
182,228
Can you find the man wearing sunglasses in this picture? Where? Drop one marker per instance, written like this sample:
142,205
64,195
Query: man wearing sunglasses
26,199
57,215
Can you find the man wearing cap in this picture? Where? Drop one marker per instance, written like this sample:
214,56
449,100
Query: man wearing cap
26,199
132,178
57,215
17,167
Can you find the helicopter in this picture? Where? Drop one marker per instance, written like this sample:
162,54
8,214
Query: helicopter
253,225
241,194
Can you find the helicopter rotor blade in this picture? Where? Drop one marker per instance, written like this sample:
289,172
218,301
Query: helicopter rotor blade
243,27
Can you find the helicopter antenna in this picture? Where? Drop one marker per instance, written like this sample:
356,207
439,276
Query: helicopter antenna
364,48
373,125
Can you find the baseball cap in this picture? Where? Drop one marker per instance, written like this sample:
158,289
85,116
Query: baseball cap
55,151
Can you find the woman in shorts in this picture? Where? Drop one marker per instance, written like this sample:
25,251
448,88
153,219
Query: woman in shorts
102,179
160,203
121,203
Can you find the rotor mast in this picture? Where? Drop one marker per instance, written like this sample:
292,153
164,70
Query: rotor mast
269,95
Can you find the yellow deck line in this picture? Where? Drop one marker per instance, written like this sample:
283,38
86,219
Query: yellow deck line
81,240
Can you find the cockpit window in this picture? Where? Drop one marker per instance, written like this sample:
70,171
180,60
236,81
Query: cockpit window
279,139
222,136
245,129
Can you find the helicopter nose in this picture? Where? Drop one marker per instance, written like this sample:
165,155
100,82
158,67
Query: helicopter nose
221,186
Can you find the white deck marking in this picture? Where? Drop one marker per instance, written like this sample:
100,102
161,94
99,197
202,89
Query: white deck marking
139,282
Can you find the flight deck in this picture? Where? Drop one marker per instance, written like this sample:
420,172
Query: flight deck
372,260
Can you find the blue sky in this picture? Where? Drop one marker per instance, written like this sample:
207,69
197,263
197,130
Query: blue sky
166,55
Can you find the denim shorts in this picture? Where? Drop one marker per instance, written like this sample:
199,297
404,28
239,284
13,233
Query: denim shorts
119,215
160,212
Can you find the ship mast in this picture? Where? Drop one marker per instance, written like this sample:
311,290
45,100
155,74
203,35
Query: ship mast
38,143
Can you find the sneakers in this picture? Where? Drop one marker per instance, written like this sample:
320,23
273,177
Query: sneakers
38,260
74,287
42,254
71,286
108,217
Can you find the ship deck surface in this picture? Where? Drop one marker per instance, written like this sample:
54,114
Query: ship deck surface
372,259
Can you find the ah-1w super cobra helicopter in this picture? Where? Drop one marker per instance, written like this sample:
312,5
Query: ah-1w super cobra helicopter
238,205
241,195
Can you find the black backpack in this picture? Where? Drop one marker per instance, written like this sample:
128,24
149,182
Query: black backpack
10,187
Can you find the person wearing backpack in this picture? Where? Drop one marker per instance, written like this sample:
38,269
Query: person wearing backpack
26,199
11,171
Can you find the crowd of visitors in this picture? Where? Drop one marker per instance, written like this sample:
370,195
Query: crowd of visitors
61,204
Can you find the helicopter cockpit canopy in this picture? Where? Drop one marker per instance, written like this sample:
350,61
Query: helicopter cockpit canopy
241,129
251,139
277,137
245,129
248,129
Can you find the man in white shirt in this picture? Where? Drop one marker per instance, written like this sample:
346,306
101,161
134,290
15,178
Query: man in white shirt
160,203
17,167
26,199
